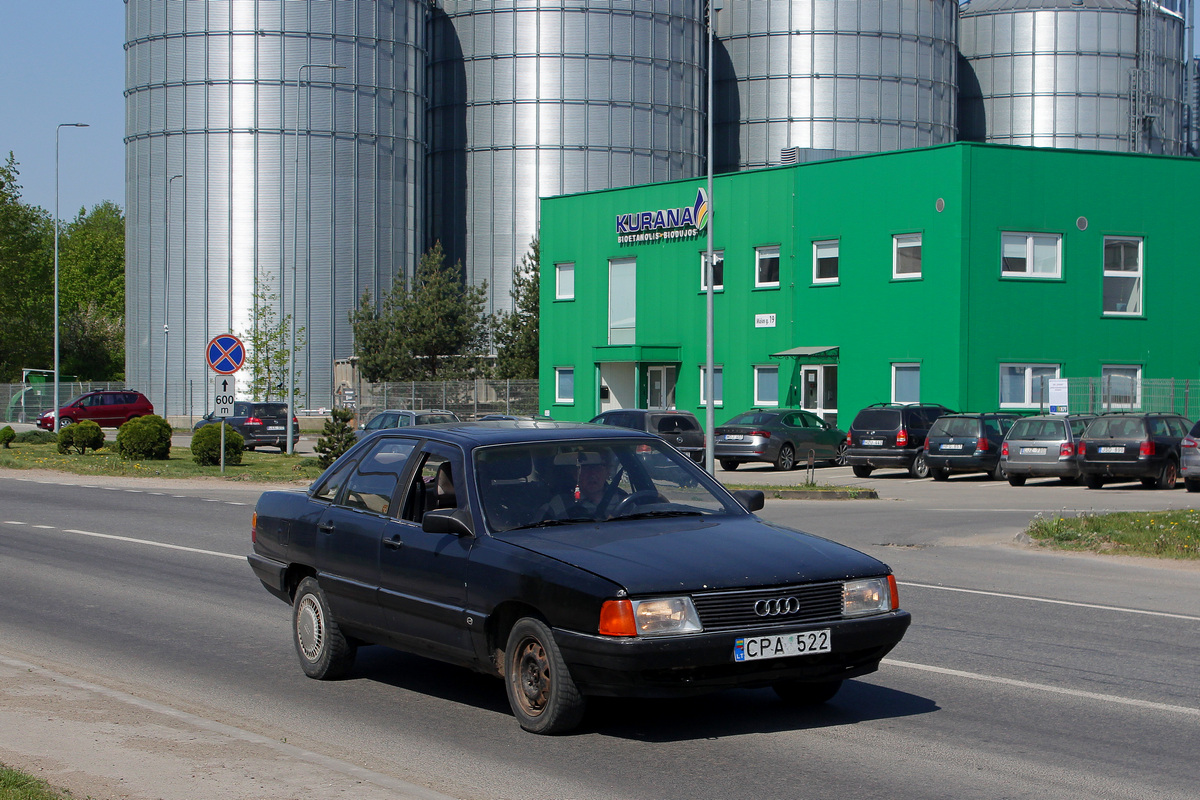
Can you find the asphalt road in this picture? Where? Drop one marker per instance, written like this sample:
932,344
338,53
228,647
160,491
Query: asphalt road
1025,674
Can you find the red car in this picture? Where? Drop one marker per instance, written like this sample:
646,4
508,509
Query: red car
107,409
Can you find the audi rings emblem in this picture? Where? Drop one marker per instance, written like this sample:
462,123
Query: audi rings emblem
777,607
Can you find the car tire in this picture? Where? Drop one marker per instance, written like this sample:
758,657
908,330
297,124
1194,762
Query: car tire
862,470
325,653
1169,477
1070,480
839,458
251,447
996,474
1093,481
940,474
1192,484
806,693
919,467
728,464
1016,480
541,692
787,459
64,422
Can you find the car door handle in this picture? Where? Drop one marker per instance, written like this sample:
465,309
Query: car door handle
325,527
394,543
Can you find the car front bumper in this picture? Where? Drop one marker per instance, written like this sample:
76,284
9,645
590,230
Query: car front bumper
673,666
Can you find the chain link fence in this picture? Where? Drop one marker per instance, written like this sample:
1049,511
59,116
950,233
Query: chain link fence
25,402
468,399
1121,393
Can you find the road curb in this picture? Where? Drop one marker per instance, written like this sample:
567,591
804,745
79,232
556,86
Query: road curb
816,494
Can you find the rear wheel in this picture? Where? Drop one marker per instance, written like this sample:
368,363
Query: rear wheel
1093,481
996,474
1016,480
940,474
919,467
839,458
325,653
862,470
1192,484
541,692
787,458
728,464
1069,480
1169,477
804,693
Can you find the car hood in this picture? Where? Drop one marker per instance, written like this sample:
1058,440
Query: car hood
697,553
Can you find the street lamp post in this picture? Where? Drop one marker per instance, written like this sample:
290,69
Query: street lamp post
709,367
291,384
167,291
58,128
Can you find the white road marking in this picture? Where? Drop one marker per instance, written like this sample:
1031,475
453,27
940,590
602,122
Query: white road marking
45,527
1053,602
1041,687
155,544
14,522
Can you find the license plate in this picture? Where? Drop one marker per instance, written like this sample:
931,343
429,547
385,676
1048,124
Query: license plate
733,437
872,442
1112,449
781,645
1033,451
952,447
274,427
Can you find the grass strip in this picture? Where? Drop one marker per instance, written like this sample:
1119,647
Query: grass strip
1157,534
16,785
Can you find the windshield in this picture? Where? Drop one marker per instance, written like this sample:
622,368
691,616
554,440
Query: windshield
542,484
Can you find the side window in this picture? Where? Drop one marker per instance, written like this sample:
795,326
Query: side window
906,255
1178,426
399,421
810,420
564,281
1122,275
766,267
564,384
1031,255
374,483
241,409
718,271
437,484
333,484
825,261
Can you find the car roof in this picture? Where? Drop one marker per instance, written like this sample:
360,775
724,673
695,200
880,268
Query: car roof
505,431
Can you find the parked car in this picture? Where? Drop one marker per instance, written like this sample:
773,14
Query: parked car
402,418
891,435
1127,446
1043,446
570,561
967,443
108,409
261,424
1189,459
780,436
681,429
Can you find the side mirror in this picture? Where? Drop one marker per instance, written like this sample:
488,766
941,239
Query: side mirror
449,520
362,426
750,499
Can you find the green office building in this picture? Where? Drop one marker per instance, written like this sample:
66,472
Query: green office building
966,274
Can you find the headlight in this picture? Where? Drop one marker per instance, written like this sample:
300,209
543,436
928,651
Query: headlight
665,615
870,596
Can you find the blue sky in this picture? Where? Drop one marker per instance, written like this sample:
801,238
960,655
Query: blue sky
64,61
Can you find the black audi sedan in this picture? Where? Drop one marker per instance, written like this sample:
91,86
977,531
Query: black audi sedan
572,561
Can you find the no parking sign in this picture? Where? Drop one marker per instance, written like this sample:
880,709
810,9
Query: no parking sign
226,354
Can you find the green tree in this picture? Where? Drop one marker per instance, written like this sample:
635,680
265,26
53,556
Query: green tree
436,331
26,279
267,345
516,332
338,437
92,261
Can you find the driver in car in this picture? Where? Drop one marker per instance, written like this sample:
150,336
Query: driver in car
593,497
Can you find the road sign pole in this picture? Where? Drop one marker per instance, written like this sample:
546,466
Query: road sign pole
222,424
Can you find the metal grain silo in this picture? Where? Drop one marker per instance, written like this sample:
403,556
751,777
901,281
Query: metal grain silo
213,88
848,77
531,99
1088,74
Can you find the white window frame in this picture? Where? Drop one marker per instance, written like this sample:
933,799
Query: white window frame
905,241
1027,401
559,374
718,385
718,258
561,293
899,365
622,310
1030,241
837,246
1138,274
1106,393
765,252
762,369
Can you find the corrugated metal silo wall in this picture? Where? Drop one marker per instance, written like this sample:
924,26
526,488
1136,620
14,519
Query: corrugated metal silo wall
866,76
536,99
1056,73
212,95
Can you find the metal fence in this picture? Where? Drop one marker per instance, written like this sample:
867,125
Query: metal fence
25,402
467,399
1120,393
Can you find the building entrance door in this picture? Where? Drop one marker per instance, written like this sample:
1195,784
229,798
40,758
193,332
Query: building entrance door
618,385
819,391
661,387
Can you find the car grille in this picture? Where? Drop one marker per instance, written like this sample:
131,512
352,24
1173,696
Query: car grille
719,611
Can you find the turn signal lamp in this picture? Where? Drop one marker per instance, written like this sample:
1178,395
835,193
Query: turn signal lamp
901,437
1004,449
254,528
616,618
895,593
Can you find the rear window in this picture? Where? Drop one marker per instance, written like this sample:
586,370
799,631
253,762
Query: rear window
1038,429
955,426
753,418
270,409
1195,430
1118,428
433,419
675,423
878,419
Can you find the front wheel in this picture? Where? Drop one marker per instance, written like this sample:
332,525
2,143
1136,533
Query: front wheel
1169,475
64,422
919,467
803,693
1016,480
325,653
787,458
728,464
543,697
1093,481
940,474
862,470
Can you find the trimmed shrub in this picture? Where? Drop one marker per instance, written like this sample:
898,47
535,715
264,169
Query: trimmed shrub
206,445
338,437
84,436
144,437
35,437
7,434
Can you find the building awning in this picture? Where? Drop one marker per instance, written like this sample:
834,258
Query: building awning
822,354
658,353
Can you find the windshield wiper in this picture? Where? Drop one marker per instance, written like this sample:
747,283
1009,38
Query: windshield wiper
649,514
550,523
